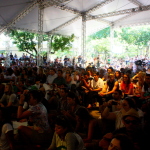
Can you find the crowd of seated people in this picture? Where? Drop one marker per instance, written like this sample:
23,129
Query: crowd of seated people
56,103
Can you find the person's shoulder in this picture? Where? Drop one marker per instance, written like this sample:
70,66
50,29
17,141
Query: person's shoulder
7,127
116,82
70,135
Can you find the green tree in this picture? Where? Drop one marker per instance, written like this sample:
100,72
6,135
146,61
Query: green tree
138,36
100,46
27,42
101,34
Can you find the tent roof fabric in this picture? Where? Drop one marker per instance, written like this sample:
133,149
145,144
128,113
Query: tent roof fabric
65,16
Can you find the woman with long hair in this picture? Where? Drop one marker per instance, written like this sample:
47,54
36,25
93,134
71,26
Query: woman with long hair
8,98
126,86
118,76
41,75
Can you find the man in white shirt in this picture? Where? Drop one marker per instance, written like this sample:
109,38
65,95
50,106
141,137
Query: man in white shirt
95,85
74,77
47,87
52,75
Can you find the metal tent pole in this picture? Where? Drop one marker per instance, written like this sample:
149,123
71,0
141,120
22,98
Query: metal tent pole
40,30
83,38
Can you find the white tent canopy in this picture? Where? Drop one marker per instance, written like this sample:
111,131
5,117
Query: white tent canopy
65,16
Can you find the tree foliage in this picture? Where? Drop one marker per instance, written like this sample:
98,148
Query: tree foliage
27,42
101,34
134,41
139,36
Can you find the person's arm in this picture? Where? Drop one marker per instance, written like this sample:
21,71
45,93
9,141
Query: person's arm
11,99
97,90
21,113
85,83
7,129
100,85
90,131
3,98
68,78
53,143
104,90
71,141
76,77
114,88
10,139
134,77
108,115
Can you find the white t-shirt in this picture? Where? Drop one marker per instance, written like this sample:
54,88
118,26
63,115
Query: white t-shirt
4,145
73,81
51,78
98,84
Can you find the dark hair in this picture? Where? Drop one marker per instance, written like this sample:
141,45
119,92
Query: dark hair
65,90
38,95
10,90
110,68
53,69
130,102
84,114
60,71
73,95
119,74
63,121
86,73
125,142
97,73
10,71
128,81
119,91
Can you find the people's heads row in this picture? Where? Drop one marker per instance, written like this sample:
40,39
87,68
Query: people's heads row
62,125
121,142
116,142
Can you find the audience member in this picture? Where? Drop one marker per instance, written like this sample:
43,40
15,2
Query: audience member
132,128
121,142
110,86
39,132
126,104
64,136
59,80
88,128
6,130
126,86
9,98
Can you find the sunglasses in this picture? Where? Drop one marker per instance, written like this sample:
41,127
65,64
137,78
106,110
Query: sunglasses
131,121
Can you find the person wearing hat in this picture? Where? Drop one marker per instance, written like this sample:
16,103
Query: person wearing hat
132,128
116,116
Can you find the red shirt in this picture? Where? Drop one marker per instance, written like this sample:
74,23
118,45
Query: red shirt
125,88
